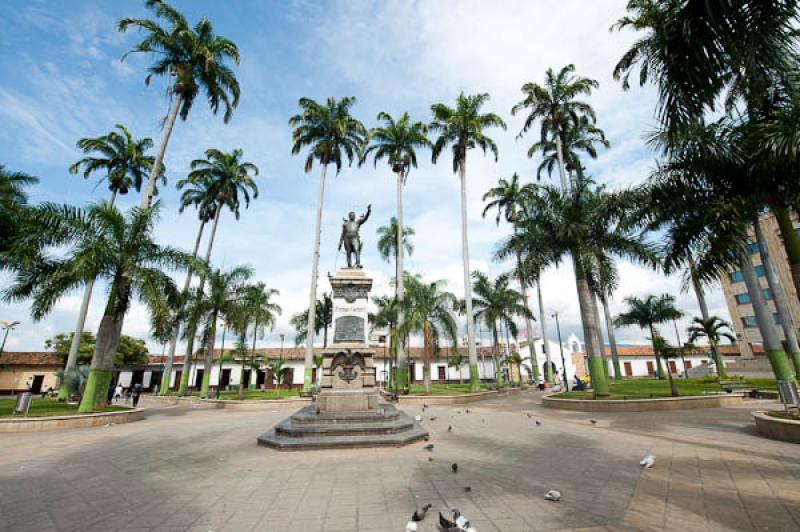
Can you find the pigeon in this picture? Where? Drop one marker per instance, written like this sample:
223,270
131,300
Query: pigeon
593,421
468,488
552,495
538,423
419,513
430,459
458,523
428,447
648,461
529,415
434,418
449,428
418,417
454,467
426,437
466,411
424,406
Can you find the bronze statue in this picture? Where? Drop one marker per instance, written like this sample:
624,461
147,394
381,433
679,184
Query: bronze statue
350,238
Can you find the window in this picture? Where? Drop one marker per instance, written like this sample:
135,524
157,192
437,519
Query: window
736,277
744,298
752,247
749,321
777,318
760,271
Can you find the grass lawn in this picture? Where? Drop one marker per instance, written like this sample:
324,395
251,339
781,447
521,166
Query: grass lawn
784,415
260,394
647,388
444,389
47,407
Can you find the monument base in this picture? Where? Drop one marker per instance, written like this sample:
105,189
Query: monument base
309,429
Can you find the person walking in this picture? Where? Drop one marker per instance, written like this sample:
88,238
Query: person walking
137,392
127,396
118,393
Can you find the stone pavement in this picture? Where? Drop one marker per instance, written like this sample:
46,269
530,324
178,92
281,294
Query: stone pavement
184,469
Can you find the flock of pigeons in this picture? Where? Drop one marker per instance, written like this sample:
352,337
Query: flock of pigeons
455,522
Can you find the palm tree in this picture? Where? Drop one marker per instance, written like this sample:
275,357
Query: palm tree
396,142
279,373
13,201
387,241
457,362
464,127
712,329
323,322
514,359
647,313
585,222
580,137
100,243
386,316
332,134
224,299
662,349
604,281
556,107
497,303
430,310
507,198
196,58
220,180
125,163
261,311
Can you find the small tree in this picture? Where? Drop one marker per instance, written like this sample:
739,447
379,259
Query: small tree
666,351
713,329
457,362
279,373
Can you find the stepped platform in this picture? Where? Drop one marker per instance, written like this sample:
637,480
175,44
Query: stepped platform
310,429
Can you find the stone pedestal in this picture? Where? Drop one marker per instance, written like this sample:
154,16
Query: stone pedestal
348,411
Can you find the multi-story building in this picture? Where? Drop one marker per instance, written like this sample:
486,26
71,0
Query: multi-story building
738,300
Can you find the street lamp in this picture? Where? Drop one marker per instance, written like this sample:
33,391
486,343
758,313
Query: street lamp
561,347
8,327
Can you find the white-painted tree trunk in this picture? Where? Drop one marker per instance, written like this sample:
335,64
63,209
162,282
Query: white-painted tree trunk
400,347
523,286
312,295
561,171
169,123
473,356
612,340
548,374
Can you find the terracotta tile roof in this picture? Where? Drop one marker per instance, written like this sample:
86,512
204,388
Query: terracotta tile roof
647,350
23,358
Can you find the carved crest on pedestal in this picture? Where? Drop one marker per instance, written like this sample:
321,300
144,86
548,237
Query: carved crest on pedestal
344,365
350,292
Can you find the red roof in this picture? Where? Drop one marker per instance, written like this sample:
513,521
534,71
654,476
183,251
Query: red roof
31,359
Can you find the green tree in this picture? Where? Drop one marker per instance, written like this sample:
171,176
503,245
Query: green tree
13,202
713,329
430,311
397,141
463,127
387,241
387,316
131,352
220,180
125,164
260,312
101,243
507,198
555,106
457,362
331,134
323,321
581,137
196,58
662,349
279,372
60,344
647,313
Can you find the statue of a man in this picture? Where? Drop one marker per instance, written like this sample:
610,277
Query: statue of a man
350,238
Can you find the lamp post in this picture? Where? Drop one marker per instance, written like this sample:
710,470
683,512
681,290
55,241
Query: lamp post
561,347
683,350
7,327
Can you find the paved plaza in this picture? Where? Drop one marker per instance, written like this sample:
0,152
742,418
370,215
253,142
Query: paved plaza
196,469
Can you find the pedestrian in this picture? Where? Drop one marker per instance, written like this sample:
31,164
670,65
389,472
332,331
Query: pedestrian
128,394
118,393
44,392
137,392
541,383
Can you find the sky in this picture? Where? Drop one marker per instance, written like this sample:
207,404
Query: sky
61,79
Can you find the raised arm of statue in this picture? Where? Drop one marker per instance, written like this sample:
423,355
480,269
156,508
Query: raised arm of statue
365,217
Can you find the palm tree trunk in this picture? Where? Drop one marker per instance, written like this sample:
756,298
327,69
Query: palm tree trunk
778,296
769,335
221,358
252,383
187,361
474,378
599,381
209,361
495,341
167,376
659,365
560,155
312,296
426,358
598,322
791,242
523,287
548,370
701,301
673,388
402,360
611,339
169,123
74,347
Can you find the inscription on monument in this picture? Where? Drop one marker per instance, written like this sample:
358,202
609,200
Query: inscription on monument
349,329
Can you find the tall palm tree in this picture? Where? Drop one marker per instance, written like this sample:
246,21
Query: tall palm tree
196,58
497,303
463,127
712,329
261,312
430,310
13,205
387,241
647,313
124,163
279,371
662,349
582,137
397,141
323,322
331,134
554,104
507,198
604,281
583,223
100,243
220,180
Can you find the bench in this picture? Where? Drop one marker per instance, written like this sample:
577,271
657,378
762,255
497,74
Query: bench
739,386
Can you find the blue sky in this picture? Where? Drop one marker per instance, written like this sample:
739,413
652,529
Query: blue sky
61,79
